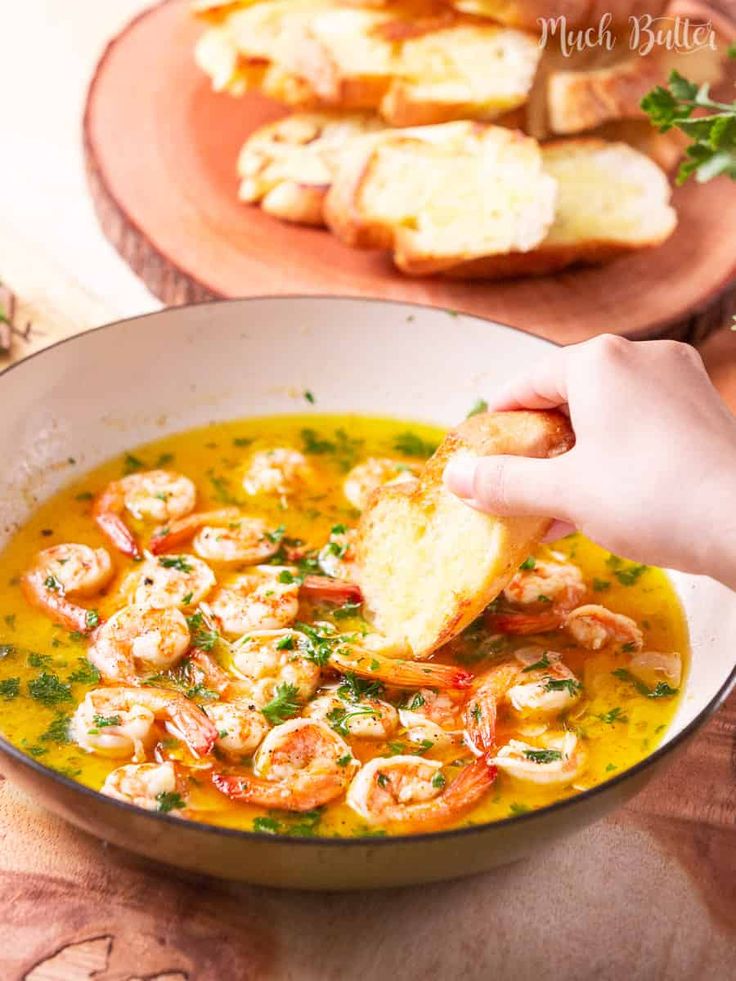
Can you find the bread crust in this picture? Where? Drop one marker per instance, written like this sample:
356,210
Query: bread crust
430,564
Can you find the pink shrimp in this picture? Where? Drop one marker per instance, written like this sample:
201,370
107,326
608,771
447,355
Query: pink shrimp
156,495
322,588
62,572
398,672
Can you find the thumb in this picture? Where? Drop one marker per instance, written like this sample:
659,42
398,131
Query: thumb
511,485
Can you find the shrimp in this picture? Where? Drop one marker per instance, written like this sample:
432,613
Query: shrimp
269,658
371,474
558,761
139,636
156,495
559,586
534,682
338,558
594,627
279,471
154,786
401,673
241,726
170,580
62,572
322,589
368,718
651,667
260,600
433,717
120,721
300,765
412,793
225,536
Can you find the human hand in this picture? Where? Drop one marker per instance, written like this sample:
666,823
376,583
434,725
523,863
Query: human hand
652,475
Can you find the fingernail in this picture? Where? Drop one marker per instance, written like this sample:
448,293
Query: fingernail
459,476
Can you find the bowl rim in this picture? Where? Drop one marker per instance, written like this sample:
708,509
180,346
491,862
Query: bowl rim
369,840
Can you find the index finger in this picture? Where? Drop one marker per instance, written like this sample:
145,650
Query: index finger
543,386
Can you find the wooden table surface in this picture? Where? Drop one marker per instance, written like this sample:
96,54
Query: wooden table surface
647,894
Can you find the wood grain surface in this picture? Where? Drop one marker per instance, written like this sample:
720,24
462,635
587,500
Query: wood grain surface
161,151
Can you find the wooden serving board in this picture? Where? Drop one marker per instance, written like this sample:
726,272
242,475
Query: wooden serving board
161,150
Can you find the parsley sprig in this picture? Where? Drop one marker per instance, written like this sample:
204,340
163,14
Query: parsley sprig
712,131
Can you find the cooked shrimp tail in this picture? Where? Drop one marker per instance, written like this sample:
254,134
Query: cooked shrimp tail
262,793
62,572
158,495
178,532
115,530
524,623
324,589
397,671
54,604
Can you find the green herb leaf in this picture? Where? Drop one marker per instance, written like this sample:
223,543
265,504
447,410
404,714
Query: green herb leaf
49,689
169,801
662,689
9,689
284,705
268,826
528,563
85,674
480,405
543,662
614,715
543,756
562,684
178,562
410,444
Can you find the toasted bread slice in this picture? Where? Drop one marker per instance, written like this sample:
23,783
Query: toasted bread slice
582,100
465,71
612,199
248,41
441,195
578,13
288,165
430,564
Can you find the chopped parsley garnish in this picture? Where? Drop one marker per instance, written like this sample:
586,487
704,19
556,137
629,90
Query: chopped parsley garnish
340,717
516,808
601,585
58,730
284,705
543,756
630,575
169,801
106,721
661,690
286,643
84,496
242,441
320,641
344,760
92,619
343,447
480,405
353,689
346,611
222,490
39,660
85,674
309,397
49,689
382,780
543,662
276,536
529,563
164,460
410,444
569,685
287,578
614,715
52,584
178,562
9,689
476,712
417,700
265,825
396,748
132,463
204,637
438,781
